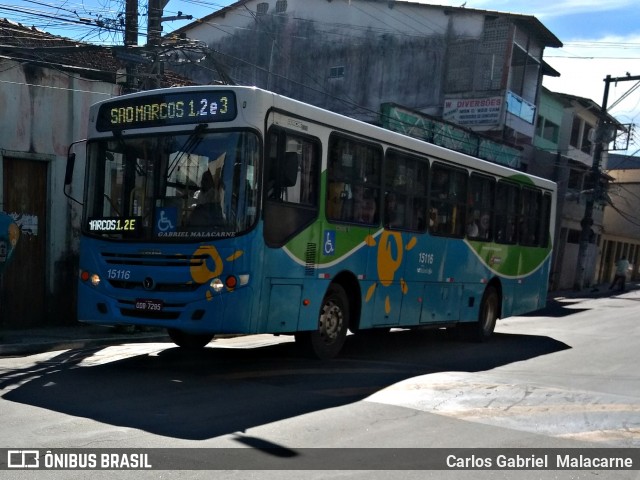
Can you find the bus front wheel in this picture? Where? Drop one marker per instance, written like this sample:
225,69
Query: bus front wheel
190,341
333,323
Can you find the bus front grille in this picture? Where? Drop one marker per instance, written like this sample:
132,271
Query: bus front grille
159,287
154,260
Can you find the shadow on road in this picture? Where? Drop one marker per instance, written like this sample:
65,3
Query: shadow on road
220,391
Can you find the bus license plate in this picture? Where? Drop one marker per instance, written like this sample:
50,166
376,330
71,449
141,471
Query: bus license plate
149,305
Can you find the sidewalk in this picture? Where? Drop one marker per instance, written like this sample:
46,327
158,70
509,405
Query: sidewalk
596,291
38,340
15,342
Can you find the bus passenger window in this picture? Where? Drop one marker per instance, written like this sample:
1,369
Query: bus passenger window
448,201
405,186
530,211
507,203
481,202
393,211
353,189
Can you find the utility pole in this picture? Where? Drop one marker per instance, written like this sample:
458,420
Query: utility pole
131,24
125,75
154,25
154,35
602,136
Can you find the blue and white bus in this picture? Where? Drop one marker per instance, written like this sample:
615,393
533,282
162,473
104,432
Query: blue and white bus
233,210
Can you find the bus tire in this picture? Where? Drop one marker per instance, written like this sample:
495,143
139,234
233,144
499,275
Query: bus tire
333,322
482,330
189,341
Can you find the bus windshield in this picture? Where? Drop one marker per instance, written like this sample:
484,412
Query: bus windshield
189,186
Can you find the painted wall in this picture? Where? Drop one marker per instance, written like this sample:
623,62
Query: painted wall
42,111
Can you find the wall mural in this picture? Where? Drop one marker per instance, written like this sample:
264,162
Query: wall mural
9,235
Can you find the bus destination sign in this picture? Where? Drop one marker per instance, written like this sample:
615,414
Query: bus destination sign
174,108
125,226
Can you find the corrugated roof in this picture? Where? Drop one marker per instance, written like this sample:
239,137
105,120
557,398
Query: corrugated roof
31,45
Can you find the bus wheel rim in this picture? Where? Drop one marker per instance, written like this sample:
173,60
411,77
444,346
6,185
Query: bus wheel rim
331,321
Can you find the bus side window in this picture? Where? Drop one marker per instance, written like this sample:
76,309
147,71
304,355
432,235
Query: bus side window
481,201
448,201
545,219
353,187
530,217
405,189
507,204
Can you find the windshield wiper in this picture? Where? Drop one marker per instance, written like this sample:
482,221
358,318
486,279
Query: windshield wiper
189,145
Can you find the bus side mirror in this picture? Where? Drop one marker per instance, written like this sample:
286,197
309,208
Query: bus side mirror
68,174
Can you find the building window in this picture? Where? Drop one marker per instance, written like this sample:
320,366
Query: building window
262,8
575,133
580,135
586,140
539,125
281,6
550,131
575,179
336,72
573,237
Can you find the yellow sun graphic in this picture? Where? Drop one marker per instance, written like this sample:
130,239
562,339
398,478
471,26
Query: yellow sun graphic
390,253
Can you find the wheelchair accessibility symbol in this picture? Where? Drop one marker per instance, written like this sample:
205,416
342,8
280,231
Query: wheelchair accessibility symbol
329,242
166,219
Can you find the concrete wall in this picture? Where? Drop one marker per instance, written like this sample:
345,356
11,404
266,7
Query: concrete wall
402,53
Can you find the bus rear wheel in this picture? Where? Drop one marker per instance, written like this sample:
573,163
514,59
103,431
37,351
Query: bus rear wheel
333,323
482,330
189,341
489,312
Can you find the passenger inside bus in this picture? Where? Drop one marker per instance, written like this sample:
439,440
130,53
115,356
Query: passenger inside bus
393,215
209,200
364,205
484,225
419,222
473,231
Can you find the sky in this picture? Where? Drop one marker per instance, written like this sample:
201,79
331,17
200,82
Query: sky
600,38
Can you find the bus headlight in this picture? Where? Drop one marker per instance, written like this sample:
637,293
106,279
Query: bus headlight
86,276
216,285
